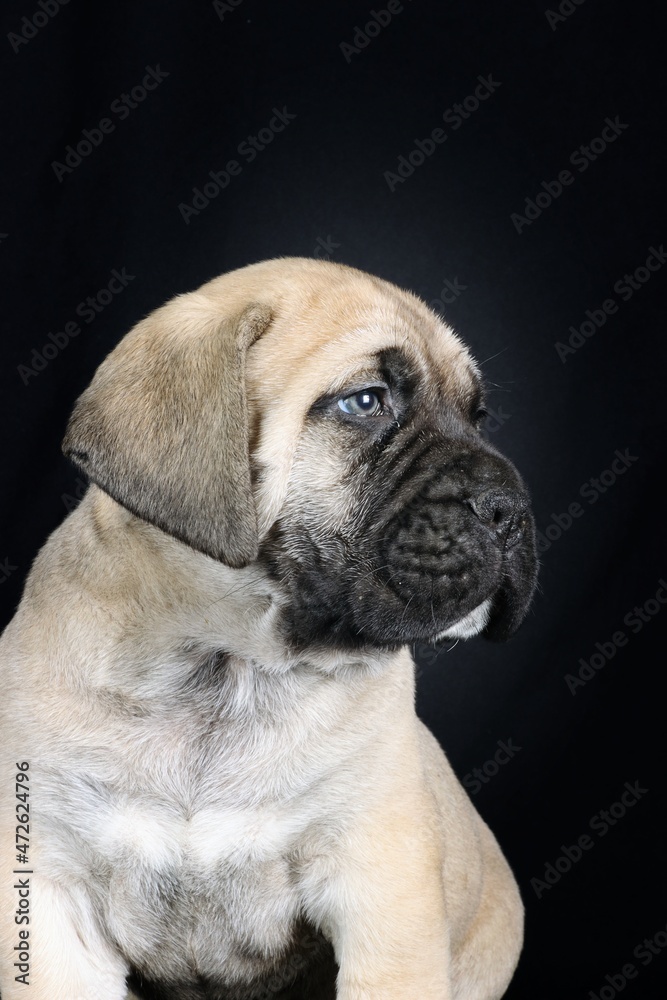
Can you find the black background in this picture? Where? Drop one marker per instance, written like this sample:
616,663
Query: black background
321,181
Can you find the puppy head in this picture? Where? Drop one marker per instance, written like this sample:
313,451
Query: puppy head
325,424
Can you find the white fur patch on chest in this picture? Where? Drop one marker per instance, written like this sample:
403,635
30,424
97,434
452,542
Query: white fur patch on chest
208,889
160,837
238,834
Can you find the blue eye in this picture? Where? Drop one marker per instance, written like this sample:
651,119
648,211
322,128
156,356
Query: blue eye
362,404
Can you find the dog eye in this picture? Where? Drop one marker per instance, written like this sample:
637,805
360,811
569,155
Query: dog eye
366,403
480,416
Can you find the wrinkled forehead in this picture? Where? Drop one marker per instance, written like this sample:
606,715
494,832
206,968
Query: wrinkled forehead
334,344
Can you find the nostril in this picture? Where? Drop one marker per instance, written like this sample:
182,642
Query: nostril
502,511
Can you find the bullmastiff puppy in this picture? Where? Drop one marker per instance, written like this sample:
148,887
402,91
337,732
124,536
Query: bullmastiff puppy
214,783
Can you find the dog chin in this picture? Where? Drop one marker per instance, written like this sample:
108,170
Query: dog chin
470,625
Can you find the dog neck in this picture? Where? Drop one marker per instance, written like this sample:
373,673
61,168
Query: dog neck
167,619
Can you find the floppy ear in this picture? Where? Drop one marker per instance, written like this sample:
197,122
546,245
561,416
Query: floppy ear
163,427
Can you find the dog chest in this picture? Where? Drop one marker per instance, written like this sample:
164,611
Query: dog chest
191,825
213,894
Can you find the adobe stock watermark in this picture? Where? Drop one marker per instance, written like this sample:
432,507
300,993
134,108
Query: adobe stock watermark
378,20
634,620
451,289
30,26
566,8
121,107
495,419
71,501
325,247
480,776
221,8
581,158
249,148
6,569
644,952
600,824
590,491
88,310
454,117
625,287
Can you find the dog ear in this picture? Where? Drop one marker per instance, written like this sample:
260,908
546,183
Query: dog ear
163,426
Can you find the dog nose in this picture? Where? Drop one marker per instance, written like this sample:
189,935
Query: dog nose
503,512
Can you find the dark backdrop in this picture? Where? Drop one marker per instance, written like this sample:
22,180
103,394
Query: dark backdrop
518,259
